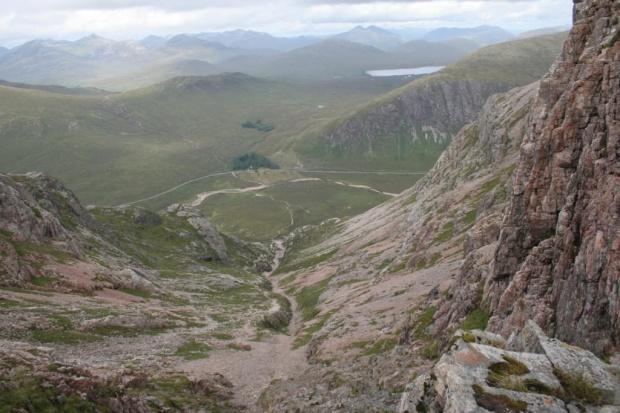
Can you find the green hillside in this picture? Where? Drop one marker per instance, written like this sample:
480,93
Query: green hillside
118,148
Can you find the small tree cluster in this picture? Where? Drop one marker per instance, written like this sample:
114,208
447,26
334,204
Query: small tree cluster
252,160
263,127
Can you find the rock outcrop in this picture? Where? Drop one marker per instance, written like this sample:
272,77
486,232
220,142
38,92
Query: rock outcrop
558,260
46,233
204,227
481,372
37,208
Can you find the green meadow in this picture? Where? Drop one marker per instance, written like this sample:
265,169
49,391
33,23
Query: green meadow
279,209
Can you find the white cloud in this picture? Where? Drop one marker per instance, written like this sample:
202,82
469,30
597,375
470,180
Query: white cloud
121,19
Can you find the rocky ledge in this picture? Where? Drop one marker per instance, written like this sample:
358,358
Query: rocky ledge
529,372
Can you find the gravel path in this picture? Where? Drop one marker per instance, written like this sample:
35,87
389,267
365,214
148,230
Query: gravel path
251,372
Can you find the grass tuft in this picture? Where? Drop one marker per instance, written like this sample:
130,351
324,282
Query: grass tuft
511,366
497,403
577,387
63,337
193,350
446,235
308,298
431,351
307,333
383,345
476,320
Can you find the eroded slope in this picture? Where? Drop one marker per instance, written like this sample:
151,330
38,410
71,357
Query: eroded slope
368,291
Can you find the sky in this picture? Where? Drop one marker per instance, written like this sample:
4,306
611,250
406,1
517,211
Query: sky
23,20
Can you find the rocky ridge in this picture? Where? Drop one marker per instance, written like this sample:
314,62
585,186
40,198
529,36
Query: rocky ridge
437,106
45,230
42,223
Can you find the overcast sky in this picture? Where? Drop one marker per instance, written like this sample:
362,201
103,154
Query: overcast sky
23,20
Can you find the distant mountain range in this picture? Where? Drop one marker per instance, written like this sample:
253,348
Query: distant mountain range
337,57
372,36
329,58
94,61
249,39
90,59
483,35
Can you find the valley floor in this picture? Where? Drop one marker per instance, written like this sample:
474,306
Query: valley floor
296,171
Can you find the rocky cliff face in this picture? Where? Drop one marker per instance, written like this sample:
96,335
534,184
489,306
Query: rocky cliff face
558,260
34,207
435,107
38,213
555,261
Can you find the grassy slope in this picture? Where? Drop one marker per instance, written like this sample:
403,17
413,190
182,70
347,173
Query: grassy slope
157,73
515,62
121,148
267,214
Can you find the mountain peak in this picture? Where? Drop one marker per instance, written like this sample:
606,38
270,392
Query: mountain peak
186,40
375,29
372,36
378,29
91,38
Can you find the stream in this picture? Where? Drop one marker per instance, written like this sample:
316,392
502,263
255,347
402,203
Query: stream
278,245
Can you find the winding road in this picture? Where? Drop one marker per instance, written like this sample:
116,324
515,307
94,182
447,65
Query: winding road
263,186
